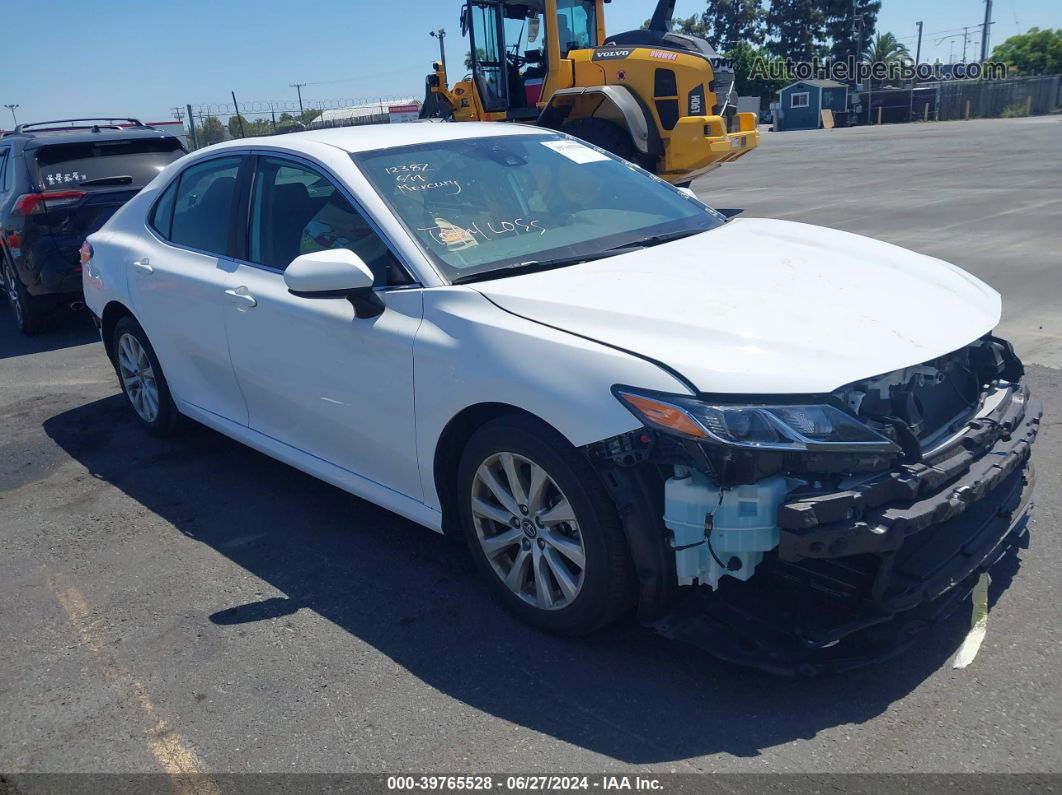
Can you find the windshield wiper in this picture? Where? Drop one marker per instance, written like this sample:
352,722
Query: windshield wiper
656,240
534,266
116,180
561,262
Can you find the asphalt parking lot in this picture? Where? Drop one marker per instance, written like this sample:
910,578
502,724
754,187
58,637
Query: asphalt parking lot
189,605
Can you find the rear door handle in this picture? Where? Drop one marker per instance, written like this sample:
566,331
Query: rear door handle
143,265
244,300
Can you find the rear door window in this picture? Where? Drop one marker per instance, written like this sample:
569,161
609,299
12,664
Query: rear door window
91,165
202,212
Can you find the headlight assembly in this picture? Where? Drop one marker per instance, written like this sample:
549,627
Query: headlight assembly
784,427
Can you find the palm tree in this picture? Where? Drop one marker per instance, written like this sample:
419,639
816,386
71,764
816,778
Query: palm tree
886,49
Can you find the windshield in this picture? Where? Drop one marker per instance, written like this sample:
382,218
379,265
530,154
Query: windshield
105,164
484,204
577,24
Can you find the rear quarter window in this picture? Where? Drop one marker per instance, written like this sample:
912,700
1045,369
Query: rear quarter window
88,165
162,213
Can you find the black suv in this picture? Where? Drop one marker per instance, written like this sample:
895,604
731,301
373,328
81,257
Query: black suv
59,182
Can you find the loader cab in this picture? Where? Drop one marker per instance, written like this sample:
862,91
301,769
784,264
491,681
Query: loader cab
516,49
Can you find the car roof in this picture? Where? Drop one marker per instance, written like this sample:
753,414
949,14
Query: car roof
367,137
33,139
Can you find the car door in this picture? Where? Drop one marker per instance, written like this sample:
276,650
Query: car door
315,376
178,279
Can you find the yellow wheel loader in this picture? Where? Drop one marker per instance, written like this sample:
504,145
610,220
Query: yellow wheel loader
660,99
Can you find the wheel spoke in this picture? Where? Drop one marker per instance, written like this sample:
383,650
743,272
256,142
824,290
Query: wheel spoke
493,545
537,489
512,474
569,547
126,359
498,490
484,509
518,573
568,585
543,586
561,512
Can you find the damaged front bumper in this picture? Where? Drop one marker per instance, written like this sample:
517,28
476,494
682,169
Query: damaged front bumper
859,572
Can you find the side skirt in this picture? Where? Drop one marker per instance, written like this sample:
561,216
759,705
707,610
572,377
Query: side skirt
370,490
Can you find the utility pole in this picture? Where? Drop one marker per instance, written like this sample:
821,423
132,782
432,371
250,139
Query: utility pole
12,109
239,118
191,128
298,87
984,30
440,34
918,49
965,38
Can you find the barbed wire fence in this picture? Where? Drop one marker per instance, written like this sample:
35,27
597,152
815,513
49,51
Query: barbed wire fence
211,122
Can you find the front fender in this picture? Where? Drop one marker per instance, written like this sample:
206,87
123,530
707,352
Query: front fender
469,351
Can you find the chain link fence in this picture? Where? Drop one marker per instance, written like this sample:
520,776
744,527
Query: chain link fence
1023,96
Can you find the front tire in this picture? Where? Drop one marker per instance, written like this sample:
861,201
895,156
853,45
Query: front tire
142,379
542,528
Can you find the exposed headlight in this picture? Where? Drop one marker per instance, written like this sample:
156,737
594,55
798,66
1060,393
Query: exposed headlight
772,427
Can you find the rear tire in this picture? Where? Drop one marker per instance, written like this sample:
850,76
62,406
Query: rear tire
570,575
30,317
142,379
607,135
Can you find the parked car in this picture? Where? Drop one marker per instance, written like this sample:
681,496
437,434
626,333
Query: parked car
59,182
792,446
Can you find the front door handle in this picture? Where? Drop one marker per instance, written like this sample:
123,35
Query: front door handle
244,300
143,265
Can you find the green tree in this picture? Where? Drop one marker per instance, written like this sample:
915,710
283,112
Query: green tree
886,49
694,25
238,126
1037,52
733,21
797,28
210,131
481,54
850,26
751,73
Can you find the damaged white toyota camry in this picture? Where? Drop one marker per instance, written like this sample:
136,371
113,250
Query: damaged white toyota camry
791,446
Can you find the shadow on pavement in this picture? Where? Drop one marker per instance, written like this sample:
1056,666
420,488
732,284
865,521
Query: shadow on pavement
415,597
68,330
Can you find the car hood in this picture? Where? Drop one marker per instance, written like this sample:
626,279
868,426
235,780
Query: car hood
763,307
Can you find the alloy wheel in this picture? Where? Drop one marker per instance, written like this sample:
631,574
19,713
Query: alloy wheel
138,378
11,291
528,531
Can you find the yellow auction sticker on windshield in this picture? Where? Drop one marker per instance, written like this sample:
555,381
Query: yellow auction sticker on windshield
575,151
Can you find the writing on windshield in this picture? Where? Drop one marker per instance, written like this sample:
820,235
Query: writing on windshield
485,203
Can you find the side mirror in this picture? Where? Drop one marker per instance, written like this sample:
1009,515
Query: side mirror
334,273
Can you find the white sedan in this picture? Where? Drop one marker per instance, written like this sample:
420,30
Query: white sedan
618,396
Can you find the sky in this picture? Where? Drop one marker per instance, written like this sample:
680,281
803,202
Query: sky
145,57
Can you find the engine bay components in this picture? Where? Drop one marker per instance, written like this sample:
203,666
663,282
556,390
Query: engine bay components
718,531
